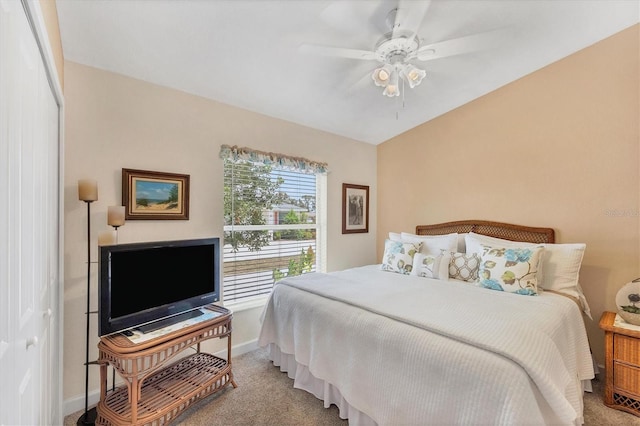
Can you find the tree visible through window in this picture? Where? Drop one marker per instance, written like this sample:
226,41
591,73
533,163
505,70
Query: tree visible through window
271,227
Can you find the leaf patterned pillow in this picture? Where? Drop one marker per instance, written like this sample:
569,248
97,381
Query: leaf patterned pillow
398,256
510,269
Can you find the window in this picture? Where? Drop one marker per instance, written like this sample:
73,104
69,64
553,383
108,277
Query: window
274,213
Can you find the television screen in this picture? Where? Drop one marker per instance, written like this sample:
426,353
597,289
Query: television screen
141,283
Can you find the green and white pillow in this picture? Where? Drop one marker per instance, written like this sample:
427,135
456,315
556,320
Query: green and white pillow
430,266
510,269
398,256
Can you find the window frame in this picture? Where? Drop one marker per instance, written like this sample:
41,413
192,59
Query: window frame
320,227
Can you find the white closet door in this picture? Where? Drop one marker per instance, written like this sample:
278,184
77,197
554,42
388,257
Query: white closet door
50,273
28,225
6,355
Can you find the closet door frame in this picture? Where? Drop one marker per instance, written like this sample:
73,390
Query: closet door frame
54,390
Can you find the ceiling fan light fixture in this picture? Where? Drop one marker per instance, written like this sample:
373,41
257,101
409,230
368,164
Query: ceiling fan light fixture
392,89
414,75
382,75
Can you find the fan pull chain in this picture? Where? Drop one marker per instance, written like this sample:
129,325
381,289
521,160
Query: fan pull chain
397,100
402,93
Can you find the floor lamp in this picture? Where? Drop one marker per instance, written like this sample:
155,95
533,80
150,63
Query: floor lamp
88,192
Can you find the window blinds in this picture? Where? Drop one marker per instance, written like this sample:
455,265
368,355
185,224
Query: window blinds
274,225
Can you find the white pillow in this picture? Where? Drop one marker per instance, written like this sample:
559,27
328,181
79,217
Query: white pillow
510,269
562,269
430,266
462,247
560,264
433,244
474,242
395,236
398,256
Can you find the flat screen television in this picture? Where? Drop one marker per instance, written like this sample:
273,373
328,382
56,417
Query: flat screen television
151,284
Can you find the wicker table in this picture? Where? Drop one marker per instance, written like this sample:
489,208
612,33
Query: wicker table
155,393
622,366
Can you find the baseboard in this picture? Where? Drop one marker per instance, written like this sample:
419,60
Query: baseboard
240,349
76,403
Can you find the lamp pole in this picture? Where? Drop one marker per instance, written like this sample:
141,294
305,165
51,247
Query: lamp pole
87,192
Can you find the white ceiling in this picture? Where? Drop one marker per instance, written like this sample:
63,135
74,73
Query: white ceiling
246,53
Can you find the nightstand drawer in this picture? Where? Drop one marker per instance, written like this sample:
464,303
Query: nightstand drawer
626,349
626,378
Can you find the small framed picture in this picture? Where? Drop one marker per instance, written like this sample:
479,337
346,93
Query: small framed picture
151,195
355,208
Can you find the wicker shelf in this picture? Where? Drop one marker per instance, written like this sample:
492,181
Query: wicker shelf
155,393
622,366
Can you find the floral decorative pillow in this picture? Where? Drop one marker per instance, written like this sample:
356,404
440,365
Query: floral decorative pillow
510,269
398,256
476,242
430,266
464,266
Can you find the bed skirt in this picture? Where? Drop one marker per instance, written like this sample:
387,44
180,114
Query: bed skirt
328,393
303,379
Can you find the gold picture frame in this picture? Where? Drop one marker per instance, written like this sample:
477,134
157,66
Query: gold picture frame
149,195
355,208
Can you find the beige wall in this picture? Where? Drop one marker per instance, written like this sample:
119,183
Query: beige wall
558,148
50,15
114,122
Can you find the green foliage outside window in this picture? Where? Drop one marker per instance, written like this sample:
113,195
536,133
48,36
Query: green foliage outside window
251,190
292,218
303,264
248,191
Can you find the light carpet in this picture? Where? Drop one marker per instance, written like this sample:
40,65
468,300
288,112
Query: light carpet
265,396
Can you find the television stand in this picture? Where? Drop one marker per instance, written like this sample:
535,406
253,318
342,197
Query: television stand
155,393
157,325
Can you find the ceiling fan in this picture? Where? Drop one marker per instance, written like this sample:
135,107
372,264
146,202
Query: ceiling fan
398,48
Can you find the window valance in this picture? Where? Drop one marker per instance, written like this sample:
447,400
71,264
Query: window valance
269,158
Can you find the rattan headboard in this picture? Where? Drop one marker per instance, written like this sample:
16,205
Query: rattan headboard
505,231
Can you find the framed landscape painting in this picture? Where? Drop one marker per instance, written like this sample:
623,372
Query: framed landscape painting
155,195
355,208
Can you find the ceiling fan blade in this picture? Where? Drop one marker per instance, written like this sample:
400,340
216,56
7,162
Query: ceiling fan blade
409,17
340,52
461,45
356,81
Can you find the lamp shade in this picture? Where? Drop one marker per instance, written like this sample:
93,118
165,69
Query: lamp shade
87,190
628,302
107,238
115,215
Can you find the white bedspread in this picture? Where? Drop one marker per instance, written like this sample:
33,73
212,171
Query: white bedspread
452,353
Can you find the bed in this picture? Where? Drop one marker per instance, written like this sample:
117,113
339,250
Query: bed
389,347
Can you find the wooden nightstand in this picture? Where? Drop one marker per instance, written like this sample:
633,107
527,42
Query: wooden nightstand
622,366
